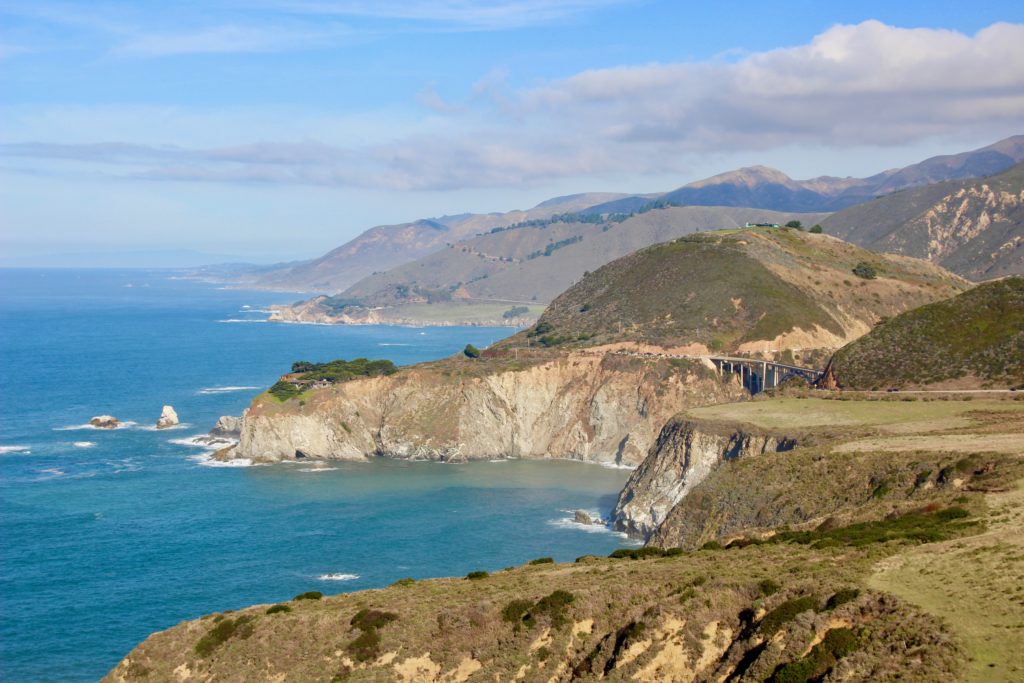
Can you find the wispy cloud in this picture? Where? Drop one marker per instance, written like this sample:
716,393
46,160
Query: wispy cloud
865,84
232,39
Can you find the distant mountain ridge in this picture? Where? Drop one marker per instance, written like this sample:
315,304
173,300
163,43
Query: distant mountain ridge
973,227
384,247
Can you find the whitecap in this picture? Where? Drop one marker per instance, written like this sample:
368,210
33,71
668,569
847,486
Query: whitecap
392,344
240,320
206,461
316,469
204,441
224,390
19,450
571,523
120,425
617,466
84,444
154,428
338,577
52,471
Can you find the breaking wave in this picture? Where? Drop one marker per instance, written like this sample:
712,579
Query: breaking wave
223,390
338,577
20,450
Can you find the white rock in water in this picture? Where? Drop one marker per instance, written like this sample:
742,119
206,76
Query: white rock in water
104,422
168,418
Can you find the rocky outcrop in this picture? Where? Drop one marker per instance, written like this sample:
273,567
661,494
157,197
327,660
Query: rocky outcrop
228,426
684,454
587,406
168,418
105,422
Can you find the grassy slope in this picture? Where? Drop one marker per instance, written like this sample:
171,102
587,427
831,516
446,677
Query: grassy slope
705,612
978,334
729,287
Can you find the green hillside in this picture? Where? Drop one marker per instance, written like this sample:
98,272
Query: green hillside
974,338
730,288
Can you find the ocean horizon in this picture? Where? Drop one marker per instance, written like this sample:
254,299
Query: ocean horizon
110,535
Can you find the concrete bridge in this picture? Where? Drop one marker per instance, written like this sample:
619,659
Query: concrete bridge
758,375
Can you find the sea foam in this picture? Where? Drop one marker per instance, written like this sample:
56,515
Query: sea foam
338,577
223,390
20,450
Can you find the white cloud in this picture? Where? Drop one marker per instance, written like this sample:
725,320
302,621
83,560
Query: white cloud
850,87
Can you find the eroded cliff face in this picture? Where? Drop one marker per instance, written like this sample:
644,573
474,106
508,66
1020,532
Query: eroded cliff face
605,408
684,454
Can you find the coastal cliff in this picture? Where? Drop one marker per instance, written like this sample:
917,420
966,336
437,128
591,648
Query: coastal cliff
599,407
684,454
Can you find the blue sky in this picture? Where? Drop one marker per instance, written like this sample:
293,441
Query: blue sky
277,129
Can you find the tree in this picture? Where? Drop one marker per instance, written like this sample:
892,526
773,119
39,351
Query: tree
471,351
816,229
795,224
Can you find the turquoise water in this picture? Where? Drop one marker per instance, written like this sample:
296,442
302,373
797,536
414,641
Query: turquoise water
128,532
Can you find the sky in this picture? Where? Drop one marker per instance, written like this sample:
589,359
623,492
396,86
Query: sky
160,133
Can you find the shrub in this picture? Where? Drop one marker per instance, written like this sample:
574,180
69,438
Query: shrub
515,610
367,618
366,646
407,581
711,545
309,595
555,606
795,224
543,560
645,553
865,270
473,576
515,312
274,609
768,587
283,391
471,351
787,612
841,597
222,631
816,229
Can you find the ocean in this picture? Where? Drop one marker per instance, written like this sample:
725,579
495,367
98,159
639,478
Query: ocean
107,536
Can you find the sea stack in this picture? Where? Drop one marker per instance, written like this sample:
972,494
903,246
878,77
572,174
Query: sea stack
168,418
104,422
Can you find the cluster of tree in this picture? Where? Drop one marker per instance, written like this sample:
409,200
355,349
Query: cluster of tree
343,370
515,312
816,228
591,218
553,246
865,270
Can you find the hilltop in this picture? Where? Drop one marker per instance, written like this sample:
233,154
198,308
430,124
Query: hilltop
971,340
751,290
974,228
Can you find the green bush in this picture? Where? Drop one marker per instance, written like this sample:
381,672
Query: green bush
645,553
816,229
795,224
543,560
474,576
768,587
841,597
283,391
516,610
309,595
711,545
366,646
865,270
366,619
786,612
274,609
407,581
222,631
471,351
920,526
